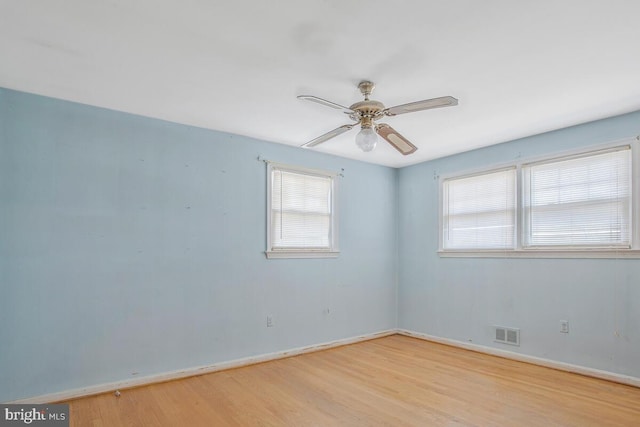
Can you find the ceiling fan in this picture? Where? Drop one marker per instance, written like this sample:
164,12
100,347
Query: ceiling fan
366,113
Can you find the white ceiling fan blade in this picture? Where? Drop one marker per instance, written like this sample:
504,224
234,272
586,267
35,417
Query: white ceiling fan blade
321,101
398,141
328,135
444,101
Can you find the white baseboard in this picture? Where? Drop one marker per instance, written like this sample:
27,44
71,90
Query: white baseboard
199,370
562,366
246,361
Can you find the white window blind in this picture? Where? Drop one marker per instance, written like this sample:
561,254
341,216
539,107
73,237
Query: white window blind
480,211
301,210
583,201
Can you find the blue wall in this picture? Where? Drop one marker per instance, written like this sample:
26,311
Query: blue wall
131,246
461,298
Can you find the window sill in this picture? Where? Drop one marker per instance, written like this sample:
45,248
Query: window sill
301,254
546,253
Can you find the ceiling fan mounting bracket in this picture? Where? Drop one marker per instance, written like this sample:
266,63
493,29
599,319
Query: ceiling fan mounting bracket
366,87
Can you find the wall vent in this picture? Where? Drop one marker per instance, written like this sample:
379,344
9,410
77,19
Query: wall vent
507,335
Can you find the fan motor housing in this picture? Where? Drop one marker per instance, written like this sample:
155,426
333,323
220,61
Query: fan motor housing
368,108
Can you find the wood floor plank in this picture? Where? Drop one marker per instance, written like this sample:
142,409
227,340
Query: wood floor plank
391,381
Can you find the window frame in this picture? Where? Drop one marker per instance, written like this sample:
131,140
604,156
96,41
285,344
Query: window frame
527,233
522,251
332,250
444,198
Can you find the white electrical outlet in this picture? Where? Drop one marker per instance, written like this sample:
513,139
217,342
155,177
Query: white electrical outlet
269,321
564,326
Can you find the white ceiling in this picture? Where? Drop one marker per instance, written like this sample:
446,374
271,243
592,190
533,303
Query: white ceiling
518,67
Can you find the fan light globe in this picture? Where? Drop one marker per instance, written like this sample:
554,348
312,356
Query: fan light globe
366,139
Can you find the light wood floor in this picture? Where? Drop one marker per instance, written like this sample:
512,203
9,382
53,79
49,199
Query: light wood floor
392,381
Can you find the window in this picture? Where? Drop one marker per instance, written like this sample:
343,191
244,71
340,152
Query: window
582,201
578,205
480,211
301,213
